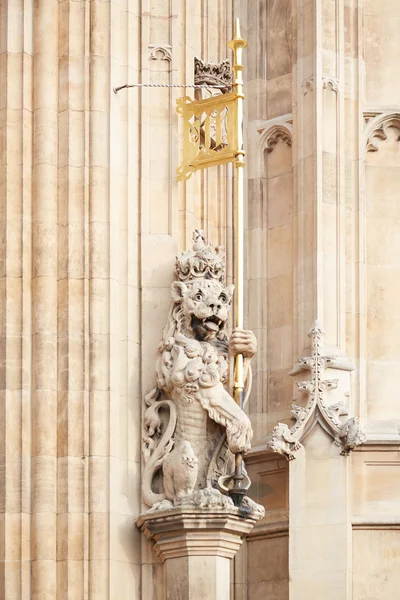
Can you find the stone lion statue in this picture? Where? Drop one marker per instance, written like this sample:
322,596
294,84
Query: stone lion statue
192,425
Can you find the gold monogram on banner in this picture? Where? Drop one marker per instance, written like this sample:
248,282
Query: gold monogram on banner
210,132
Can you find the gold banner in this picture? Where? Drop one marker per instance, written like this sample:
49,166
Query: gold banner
210,132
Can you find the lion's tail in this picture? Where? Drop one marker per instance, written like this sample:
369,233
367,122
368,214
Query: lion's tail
155,452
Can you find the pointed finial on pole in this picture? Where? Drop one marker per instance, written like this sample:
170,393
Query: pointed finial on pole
237,45
236,28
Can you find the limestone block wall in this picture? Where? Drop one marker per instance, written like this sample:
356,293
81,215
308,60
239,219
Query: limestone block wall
376,493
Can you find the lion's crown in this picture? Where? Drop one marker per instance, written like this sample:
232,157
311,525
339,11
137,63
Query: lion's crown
201,262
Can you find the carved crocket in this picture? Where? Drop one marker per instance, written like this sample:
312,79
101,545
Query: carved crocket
192,425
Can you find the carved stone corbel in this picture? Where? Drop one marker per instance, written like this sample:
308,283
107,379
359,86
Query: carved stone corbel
276,133
273,130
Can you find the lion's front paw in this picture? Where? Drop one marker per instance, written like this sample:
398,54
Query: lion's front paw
243,342
239,436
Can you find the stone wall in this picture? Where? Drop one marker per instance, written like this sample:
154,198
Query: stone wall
323,171
91,220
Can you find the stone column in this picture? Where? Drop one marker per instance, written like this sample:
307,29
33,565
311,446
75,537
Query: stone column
44,301
319,477
72,333
196,547
99,302
15,297
319,521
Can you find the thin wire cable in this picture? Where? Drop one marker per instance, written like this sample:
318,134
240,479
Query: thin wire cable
170,85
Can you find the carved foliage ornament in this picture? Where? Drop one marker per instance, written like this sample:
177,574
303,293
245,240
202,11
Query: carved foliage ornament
346,434
192,426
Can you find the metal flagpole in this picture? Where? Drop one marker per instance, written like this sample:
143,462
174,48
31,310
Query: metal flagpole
237,45
202,150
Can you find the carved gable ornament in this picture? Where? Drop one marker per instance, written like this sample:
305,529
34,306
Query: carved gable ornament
346,432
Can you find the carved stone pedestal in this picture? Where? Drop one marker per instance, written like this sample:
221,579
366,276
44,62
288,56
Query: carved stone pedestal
196,547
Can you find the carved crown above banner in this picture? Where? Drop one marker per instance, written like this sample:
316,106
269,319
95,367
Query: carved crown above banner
210,121
216,75
346,433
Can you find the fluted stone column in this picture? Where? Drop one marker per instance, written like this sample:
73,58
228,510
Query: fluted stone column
44,300
15,297
99,301
56,246
72,303
320,477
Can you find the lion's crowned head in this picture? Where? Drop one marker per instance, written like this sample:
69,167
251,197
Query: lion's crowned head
204,304
201,300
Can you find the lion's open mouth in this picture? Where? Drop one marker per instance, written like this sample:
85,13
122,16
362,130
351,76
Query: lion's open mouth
212,323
